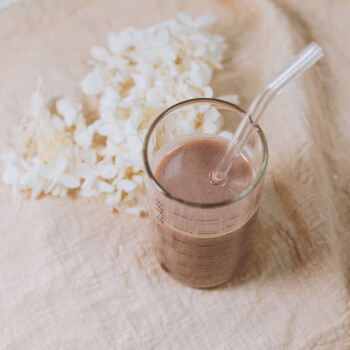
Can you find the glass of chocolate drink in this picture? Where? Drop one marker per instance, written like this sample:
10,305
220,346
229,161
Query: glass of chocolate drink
201,230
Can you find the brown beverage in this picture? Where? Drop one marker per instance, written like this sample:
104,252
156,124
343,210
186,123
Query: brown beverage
204,260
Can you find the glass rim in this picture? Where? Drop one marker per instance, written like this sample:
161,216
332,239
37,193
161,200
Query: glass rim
179,105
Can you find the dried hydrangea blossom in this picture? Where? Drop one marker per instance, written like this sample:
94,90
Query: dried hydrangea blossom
141,73
47,163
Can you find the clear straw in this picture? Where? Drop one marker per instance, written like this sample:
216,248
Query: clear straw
301,63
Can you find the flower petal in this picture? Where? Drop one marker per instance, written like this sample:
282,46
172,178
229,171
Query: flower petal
51,187
105,187
100,54
113,43
138,179
154,98
69,109
57,123
59,165
62,191
185,18
200,74
135,210
28,180
10,174
205,21
70,181
46,171
209,127
84,138
93,83
212,114
208,92
108,171
134,143
55,190
88,183
37,190
230,98
126,185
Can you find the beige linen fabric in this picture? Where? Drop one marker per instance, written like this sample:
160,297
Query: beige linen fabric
65,283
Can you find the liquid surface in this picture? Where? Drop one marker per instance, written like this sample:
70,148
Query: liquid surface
184,172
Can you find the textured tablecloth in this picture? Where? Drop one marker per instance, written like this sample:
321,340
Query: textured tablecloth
64,281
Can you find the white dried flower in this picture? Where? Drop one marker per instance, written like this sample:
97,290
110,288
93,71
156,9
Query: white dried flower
138,75
69,109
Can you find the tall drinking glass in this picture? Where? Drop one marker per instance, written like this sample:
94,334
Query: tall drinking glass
202,244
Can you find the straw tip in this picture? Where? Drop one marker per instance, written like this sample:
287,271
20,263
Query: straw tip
218,178
316,48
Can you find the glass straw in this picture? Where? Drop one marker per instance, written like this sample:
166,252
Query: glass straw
301,63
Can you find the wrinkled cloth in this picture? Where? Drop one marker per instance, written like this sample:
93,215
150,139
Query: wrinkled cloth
73,276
